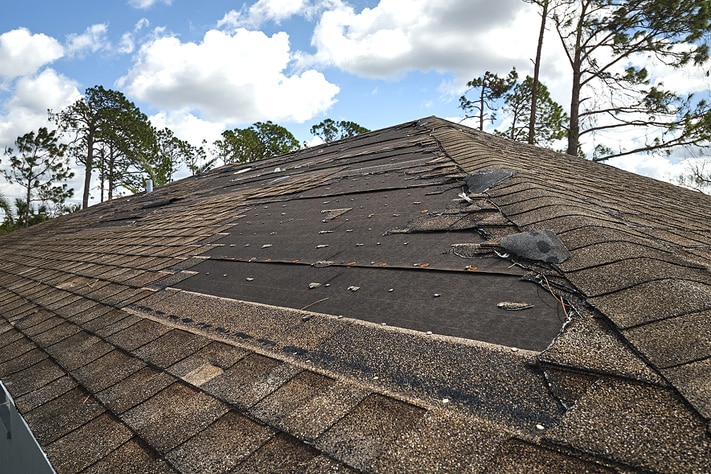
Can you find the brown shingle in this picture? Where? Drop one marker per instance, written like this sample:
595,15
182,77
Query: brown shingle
221,446
365,433
58,417
250,380
71,454
173,415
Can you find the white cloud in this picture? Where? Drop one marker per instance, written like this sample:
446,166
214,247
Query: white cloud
23,53
655,166
94,38
238,77
127,45
396,36
266,10
26,110
275,11
188,127
145,4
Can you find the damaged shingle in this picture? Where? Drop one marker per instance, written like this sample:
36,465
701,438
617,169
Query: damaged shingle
540,245
482,181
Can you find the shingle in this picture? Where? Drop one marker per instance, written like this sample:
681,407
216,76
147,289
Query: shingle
250,380
33,377
281,454
674,341
133,457
693,380
107,370
174,415
134,389
37,322
320,412
58,417
642,304
217,354
616,276
221,446
365,433
54,333
20,346
10,335
72,454
292,396
171,347
519,456
593,344
111,322
78,349
138,334
646,420
432,446
22,362
44,394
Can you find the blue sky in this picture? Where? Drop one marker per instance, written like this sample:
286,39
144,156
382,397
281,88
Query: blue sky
202,67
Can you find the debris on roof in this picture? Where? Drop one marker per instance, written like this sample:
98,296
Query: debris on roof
354,314
542,245
482,181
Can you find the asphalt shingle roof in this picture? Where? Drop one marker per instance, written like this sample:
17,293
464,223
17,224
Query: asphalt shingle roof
423,297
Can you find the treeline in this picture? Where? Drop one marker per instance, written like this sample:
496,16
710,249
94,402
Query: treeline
112,141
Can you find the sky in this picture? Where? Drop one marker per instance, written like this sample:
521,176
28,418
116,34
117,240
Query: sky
200,68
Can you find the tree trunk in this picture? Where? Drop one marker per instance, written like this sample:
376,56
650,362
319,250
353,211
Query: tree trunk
87,170
481,107
574,130
536,73
28,196
111,172
577,64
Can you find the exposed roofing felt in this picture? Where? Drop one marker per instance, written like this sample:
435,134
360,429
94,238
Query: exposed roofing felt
424,297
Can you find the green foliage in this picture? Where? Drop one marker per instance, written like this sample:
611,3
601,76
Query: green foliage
490,88
551,120
329,130
109,133
259,141
173,151
38,165
599,36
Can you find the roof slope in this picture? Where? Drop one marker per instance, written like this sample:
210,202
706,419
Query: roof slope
419,298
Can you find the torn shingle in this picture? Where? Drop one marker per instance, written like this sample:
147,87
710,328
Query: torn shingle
482,181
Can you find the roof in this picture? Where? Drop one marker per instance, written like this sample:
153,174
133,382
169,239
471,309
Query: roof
419,298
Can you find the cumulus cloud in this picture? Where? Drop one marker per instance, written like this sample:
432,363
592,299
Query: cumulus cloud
23,53
145,4
93,39
235,77
397,36
188,127
261,12
275,11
